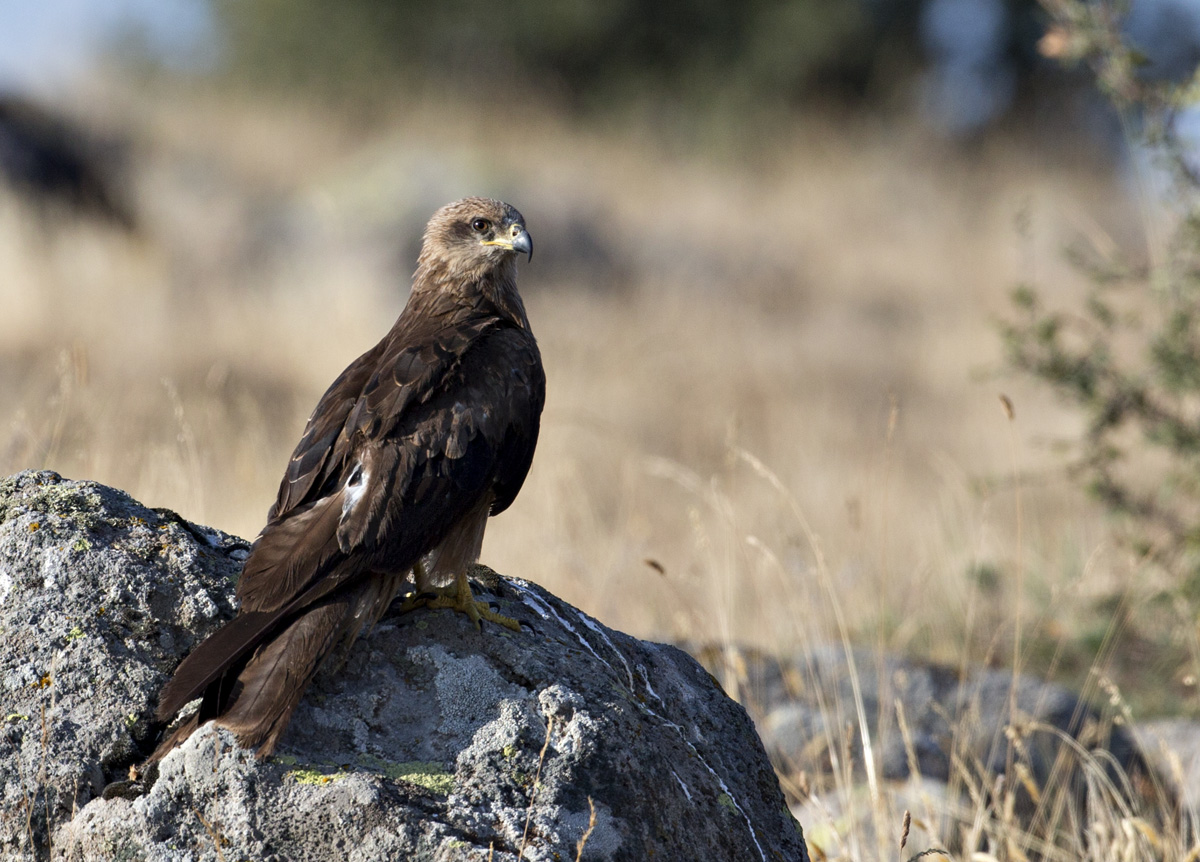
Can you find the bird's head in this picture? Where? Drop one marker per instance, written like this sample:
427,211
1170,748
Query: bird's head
474,237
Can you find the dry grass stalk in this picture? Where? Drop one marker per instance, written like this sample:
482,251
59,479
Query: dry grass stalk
533,788
587,833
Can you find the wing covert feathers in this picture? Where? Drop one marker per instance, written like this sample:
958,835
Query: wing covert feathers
289,554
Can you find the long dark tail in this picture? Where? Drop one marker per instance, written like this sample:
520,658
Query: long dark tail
210,661
290,571
268,689
256,699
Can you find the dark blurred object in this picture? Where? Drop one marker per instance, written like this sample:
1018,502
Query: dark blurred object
57,166
973,74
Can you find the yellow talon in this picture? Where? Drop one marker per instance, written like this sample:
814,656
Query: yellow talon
459,598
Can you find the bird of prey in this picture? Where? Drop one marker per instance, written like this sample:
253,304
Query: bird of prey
404,458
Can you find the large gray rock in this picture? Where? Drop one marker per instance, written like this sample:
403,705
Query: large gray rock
432,740
99,596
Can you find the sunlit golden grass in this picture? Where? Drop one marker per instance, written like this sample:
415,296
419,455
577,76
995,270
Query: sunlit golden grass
827,307
777,404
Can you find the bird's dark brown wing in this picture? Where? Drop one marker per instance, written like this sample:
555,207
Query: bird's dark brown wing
318,454
356,455
449,413
474,435
516,448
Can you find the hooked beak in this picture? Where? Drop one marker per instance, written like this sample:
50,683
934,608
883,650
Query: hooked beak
523,243
520,241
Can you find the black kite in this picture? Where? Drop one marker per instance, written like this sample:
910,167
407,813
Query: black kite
404,458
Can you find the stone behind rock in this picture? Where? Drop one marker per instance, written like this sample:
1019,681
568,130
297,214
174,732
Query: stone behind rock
948,733
431,741
947,713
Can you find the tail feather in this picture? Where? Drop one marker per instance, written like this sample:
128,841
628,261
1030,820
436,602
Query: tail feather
255,698
313,571
178,735
269,688
207,662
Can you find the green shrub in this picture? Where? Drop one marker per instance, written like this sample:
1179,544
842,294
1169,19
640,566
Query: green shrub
1129,356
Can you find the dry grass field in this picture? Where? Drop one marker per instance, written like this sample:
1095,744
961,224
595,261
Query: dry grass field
774,371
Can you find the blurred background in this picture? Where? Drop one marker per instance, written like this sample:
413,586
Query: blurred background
775,240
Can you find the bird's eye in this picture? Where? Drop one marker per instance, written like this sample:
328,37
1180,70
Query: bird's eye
481,224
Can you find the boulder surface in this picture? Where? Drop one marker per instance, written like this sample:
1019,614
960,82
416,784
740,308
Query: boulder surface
429,740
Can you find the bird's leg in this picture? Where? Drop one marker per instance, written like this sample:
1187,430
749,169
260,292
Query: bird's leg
456,597
422,593
459,597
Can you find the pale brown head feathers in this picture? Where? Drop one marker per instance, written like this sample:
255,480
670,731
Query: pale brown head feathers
472,238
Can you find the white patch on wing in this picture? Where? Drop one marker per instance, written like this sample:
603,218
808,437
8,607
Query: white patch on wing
356,486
